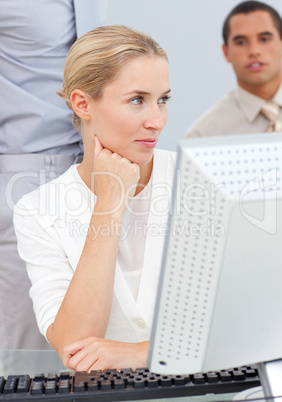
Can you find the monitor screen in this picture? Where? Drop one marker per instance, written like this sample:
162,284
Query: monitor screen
219,300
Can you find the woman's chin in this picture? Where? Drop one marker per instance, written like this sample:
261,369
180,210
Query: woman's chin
142,160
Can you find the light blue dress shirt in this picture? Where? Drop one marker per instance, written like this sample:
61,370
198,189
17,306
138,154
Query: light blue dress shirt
35,38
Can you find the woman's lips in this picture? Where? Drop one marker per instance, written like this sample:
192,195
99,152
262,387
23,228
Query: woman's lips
148,143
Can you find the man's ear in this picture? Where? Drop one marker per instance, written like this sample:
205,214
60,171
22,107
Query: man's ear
80,104
225,52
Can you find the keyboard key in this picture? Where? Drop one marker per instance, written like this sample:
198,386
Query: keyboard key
139,382
65,375
143,371
36,388
106,385
64,386
39,377
165,381
11,384
80,386
250,372
51,387
238,375
23,384
181,380
225,376
111,373
126,371
130,381
119,383
152,381
212,377
52,377
199,378
93,386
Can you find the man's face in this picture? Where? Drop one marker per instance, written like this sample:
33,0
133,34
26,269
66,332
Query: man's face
254,48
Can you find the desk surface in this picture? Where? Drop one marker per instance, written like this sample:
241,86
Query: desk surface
32,362
29,362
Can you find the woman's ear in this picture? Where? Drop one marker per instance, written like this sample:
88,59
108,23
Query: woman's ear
80,104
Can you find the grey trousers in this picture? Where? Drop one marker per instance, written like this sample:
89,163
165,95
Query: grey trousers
20,174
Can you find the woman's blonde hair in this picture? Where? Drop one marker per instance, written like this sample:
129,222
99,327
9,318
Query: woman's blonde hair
96,58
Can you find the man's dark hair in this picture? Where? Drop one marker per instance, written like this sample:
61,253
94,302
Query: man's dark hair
248,7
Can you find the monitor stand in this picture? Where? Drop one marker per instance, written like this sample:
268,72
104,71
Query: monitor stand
270,375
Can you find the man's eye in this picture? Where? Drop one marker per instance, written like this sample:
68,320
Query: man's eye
240,42
265,38
137,101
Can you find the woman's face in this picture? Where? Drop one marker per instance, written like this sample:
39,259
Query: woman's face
132,112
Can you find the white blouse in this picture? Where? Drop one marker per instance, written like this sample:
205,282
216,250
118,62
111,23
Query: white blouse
51,224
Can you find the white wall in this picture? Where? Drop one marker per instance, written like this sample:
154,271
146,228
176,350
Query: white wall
190,33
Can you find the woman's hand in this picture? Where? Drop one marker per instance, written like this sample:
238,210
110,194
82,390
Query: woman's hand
101,354
115,180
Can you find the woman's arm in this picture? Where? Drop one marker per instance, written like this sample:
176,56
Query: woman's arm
86,307
101,354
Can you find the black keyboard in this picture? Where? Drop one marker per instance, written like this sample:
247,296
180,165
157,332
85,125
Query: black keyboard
123,385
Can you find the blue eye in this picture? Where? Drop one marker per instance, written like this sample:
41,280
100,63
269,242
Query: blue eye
137,101
164,99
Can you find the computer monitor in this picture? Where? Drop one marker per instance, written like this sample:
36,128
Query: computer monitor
219,300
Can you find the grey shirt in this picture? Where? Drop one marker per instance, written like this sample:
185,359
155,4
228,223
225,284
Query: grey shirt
35,36
236,113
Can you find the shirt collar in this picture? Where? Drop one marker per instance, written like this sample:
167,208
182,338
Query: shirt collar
278,96
251,104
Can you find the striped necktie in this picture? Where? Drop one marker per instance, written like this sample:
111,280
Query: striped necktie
271,111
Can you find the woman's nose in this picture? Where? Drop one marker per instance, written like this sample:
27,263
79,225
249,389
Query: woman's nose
156,118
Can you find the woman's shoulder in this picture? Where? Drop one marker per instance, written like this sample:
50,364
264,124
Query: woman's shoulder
47,187
46,193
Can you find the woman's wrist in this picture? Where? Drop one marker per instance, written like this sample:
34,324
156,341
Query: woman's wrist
143,353
109,212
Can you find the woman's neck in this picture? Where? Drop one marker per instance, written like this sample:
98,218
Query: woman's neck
145,174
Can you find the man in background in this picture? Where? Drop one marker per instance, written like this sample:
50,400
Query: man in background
252,34
38,141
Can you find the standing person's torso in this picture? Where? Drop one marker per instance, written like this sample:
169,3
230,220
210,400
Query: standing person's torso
35,37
